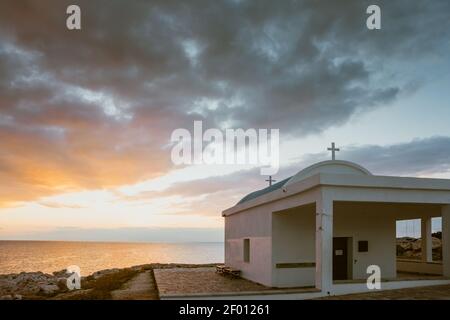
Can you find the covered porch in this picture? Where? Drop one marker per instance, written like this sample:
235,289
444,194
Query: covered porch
329,244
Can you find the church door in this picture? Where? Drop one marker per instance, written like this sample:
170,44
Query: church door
340,258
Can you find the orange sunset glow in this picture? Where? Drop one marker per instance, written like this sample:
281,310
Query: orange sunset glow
86,116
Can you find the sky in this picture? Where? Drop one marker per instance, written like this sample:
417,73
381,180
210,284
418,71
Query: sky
86,115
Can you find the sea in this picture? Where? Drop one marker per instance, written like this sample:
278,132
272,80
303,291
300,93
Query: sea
49,256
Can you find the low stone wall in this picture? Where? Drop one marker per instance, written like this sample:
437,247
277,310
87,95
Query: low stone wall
417,266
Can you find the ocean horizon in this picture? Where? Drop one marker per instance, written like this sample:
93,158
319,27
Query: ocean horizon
52,255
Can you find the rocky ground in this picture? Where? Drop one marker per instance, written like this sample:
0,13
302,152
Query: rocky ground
126,283
29,284
410,248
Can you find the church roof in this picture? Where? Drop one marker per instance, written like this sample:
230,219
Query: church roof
258,193
344,174
330,166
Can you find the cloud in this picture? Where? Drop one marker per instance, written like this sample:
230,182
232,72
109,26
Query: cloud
204,197
419,157
210,196
56,205
94,108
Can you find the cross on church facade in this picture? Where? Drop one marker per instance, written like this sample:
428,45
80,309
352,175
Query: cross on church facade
333,151
270,180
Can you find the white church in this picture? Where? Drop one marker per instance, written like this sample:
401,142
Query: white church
325,225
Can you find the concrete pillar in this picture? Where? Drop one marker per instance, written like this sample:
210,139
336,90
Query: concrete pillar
445,212
427,242
324,243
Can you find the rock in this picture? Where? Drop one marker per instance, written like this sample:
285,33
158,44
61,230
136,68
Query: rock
400,250
412,247
17,297
101,273
62,284
49,288
69,295
416,245
61,273
437,243
6,297
28,289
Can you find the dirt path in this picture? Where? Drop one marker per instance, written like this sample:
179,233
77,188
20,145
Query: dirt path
141,287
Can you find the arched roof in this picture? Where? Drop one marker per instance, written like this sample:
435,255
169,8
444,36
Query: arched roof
258,193
330,166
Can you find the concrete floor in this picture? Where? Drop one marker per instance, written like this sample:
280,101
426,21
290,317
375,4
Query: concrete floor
401,276
421,293
205,282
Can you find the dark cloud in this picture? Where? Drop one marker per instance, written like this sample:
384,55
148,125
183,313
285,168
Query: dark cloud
420,157
94,108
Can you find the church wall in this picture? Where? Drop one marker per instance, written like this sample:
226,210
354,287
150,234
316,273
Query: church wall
256,225
294,244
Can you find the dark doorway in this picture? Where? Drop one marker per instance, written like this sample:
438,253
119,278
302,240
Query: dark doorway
340,258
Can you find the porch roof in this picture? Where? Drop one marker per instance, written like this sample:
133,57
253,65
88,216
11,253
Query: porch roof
340,180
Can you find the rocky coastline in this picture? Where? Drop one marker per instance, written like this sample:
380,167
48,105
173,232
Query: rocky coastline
38,285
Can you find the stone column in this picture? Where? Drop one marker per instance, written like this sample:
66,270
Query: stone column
445,212
324,243
427,242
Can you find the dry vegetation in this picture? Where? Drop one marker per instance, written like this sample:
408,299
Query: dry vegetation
100,289
100,285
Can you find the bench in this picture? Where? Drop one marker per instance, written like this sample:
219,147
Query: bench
224,270
220,268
